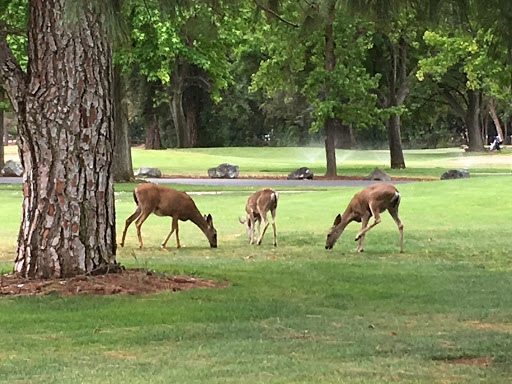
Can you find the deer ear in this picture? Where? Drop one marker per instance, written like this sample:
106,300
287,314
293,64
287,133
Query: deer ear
337,220
241,220
209,219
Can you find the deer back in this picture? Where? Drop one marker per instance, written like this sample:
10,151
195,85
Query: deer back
262,200
165,201
380,195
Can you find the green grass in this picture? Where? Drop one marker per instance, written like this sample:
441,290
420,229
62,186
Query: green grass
281,161
292,314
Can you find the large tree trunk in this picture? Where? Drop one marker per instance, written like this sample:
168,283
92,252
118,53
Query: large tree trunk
476,143
153,140
192,109
398,91
2,133
330,63
495,118
66,135
330,150
344,136
122,168
395,142
183,113
151,114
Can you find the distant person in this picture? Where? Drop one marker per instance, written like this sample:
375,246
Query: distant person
495,145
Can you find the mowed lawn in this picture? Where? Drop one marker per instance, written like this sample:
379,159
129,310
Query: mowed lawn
438,313
279,161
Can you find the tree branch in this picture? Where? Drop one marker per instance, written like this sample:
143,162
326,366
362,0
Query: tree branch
454,104
12,77
403,78
198,81
382,99
274,14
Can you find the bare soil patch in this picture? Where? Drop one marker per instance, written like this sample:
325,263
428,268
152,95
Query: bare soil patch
481,361
126,282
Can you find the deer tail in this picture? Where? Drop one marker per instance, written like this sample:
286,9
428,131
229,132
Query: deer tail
274,197
395,201
135,197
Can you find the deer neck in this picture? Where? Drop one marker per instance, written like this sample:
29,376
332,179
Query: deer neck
199,220
346,218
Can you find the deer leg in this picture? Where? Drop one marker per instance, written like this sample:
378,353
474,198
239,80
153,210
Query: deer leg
376,215
273,213
174,227
364,223
265,220
129,220
394,214
252,220
138,223
178,245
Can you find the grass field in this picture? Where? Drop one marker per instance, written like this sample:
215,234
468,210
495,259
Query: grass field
281,161
292,314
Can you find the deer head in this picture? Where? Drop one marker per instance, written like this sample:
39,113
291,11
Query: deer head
210,231
334,232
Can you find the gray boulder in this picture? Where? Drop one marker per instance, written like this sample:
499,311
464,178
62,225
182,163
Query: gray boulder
455,174
12,169
224,171
378,175
301,174
148,172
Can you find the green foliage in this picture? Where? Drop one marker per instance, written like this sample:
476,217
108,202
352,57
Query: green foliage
472,52
195,32
295,64
13,21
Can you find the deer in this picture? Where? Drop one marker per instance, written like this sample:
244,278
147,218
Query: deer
164,201
370,201
256,208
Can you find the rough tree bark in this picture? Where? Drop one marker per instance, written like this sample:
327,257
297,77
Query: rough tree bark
2,133
66,135
398,90
344,136
495,118
150,114
330,123
468,110
153,140
476,142
183,114
123,169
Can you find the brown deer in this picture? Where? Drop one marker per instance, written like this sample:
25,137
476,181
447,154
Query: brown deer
371,201
163,201
258,204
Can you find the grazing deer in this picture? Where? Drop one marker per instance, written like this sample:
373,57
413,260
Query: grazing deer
371,201
163,201
258,204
